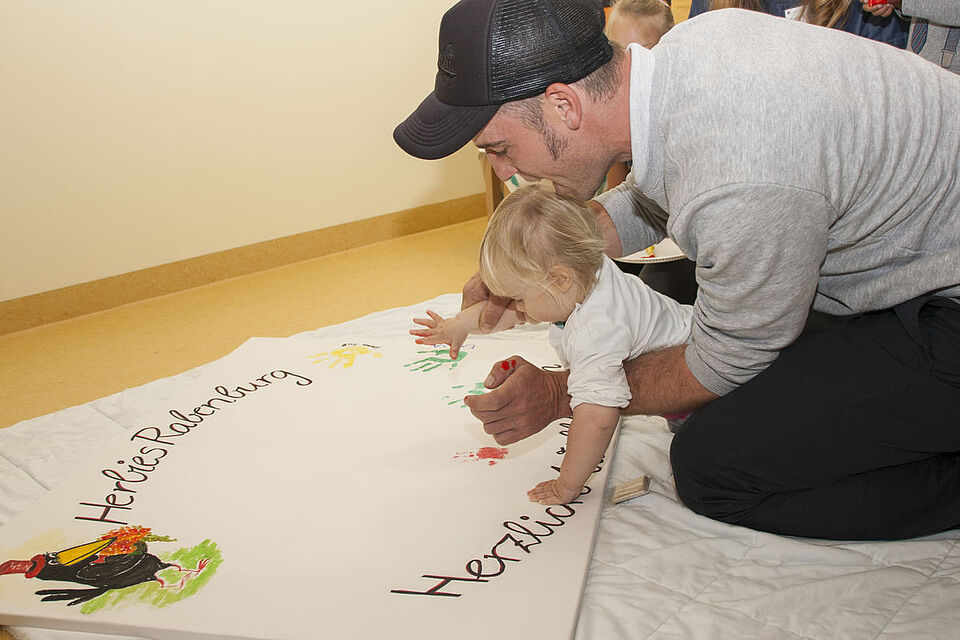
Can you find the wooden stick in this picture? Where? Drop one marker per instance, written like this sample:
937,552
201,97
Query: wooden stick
631,489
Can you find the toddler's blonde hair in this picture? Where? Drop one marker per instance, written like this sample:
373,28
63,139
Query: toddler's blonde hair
533,230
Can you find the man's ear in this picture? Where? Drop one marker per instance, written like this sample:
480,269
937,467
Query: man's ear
563,101
561,277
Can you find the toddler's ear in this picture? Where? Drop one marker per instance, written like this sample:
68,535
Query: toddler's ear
561,277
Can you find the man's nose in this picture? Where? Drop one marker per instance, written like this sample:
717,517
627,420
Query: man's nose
501,167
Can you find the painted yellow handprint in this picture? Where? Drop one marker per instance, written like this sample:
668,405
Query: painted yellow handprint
346,355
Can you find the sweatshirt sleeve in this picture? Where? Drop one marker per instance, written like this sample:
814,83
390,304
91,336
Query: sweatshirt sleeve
759,249
944,12
640,222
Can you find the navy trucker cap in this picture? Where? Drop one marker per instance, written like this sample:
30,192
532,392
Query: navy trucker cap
497,51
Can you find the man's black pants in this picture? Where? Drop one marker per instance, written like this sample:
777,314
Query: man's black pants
853,433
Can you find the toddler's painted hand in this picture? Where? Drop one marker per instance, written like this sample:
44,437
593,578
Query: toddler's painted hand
440,330
552,492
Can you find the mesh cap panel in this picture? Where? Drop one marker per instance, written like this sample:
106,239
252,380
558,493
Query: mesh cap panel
534,43
496,51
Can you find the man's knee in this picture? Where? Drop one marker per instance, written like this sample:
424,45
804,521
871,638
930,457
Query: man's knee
690,461
705,479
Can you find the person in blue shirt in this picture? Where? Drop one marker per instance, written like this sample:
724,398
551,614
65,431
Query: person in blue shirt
846,15
934,27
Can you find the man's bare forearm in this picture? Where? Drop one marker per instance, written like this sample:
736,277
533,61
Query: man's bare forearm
660,382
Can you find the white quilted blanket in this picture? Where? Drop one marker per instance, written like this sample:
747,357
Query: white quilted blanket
658,571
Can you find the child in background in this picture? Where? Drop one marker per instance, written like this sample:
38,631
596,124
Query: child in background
934,27
640,21
544,251
643,22
845,15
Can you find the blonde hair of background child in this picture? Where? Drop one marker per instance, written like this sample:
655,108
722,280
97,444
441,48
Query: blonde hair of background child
825,13
647,9
533,230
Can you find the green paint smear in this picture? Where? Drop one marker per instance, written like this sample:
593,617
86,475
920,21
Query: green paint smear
440,358
477,390
152,593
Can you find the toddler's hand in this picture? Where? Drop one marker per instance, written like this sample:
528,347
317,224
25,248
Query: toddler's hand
440,330
552,492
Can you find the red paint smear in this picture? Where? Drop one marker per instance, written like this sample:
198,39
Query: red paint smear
490,454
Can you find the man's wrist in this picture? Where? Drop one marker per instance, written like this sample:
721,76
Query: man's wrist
559,396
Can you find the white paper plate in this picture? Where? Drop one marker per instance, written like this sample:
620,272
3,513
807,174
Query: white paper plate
664,251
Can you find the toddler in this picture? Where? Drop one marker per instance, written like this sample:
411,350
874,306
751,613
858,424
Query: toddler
544,251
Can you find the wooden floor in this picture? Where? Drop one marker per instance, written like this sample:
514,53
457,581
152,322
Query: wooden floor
72,362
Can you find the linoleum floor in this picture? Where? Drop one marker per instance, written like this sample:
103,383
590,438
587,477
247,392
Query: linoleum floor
59,365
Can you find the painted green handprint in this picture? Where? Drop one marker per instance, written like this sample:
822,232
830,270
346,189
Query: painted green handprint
439,358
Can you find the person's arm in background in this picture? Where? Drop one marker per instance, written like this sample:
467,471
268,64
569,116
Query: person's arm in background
942,12
698,6
617,174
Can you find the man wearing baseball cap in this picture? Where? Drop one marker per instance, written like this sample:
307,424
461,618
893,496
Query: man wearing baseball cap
802,169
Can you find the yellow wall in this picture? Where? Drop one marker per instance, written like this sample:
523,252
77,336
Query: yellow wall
134,134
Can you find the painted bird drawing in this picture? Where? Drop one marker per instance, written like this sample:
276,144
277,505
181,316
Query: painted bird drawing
96,566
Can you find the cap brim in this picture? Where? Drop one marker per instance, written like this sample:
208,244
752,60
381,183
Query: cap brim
435,129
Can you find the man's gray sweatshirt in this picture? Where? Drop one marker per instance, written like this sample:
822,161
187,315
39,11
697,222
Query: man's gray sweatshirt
799,167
